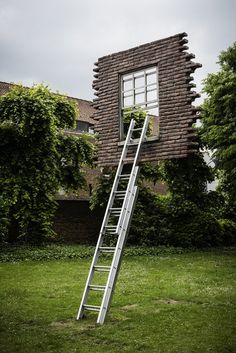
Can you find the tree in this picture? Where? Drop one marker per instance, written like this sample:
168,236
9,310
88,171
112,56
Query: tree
180,218
37,159
219,119
187,177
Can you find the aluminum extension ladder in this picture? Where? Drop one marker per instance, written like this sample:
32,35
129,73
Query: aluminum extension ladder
122,212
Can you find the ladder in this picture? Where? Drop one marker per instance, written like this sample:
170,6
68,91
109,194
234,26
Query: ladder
120,207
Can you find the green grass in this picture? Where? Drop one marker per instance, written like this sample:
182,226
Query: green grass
171,303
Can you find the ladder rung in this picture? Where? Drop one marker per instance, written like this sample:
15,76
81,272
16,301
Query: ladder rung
107,249
120,195
128,160
102,268
137,129
122,176
110,229
97,287
115,211
133,143
91,307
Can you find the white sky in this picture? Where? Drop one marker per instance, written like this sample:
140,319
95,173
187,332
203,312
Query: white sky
57,41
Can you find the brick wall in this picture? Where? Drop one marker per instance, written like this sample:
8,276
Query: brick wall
75,222
176,112
91,176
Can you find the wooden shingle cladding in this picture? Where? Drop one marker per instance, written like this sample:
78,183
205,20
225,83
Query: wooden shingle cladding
176,113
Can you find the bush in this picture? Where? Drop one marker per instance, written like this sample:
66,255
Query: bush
146,220
164,220
186,217
228,231
36,160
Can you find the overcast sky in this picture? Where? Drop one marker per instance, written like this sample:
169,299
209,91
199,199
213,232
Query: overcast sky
57,41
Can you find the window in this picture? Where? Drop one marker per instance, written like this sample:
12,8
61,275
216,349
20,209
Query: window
91,130
139,89
82,126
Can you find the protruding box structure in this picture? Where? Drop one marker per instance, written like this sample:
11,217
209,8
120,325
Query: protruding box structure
156,77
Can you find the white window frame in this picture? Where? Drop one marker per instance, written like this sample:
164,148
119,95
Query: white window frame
132,93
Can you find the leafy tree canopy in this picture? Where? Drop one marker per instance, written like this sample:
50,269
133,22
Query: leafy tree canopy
37,158
219,118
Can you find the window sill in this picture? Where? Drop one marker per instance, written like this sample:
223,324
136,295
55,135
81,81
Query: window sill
148,139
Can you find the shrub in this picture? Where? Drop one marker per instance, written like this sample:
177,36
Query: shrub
36,160
163,220
228,231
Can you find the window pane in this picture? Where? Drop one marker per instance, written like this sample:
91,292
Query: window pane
139,74
139,98
139,90
127,77
128,101
139,82
151,70
82,126
151,78
128,94
91,130
153,112
152,95
127,85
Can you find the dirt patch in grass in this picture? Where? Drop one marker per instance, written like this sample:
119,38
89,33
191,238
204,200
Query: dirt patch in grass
129,307
168,301
176,302
62,324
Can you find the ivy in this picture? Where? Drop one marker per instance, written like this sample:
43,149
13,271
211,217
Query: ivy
139,116
36,160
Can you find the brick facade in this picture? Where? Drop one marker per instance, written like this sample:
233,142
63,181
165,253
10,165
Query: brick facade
176,113
76,223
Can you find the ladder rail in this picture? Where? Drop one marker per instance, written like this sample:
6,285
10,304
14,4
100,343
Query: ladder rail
141,139
105,219
126,233
134,171
115,266
133,178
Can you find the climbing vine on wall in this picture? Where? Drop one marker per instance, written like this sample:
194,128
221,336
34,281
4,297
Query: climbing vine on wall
37,159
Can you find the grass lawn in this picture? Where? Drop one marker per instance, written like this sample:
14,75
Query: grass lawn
171,303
